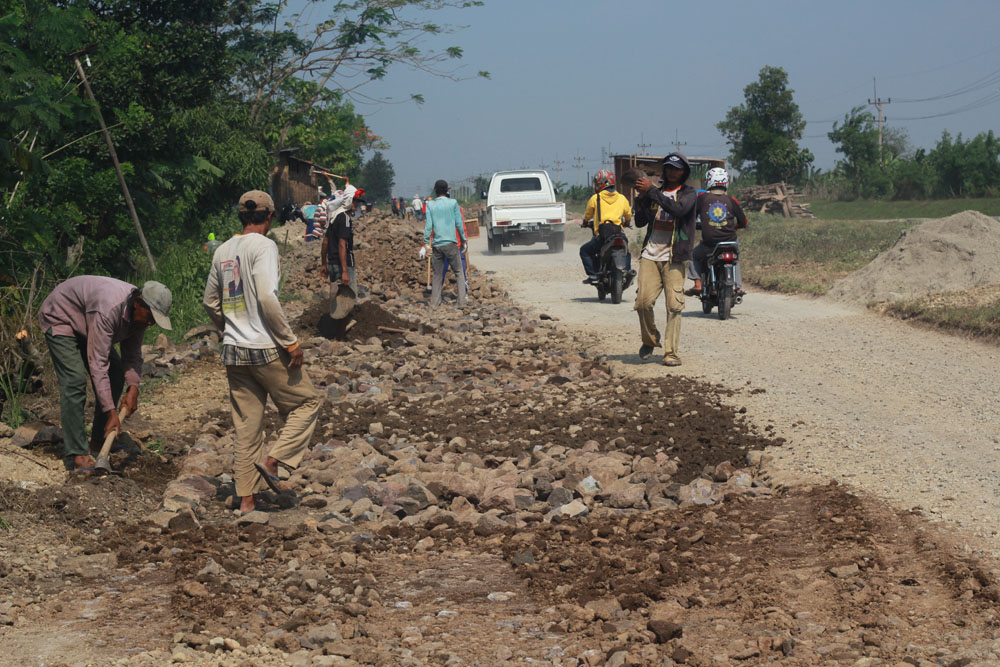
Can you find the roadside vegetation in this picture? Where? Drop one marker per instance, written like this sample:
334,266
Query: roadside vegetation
873,209
807,256
972,312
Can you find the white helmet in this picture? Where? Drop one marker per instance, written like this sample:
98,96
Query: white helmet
716,178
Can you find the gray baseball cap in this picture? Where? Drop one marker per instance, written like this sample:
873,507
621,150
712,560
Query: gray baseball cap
159,299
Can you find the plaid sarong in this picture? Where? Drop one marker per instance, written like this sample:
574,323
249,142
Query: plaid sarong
234,355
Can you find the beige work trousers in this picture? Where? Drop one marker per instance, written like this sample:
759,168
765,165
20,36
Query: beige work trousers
298,404
655,277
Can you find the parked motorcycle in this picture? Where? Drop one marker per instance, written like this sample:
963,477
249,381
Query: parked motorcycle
718,286
614,276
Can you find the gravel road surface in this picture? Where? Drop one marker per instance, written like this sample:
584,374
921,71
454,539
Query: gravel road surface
906,414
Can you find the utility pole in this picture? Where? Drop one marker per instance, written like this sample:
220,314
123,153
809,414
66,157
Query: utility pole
678,143
642,143
579,166
878,103
558,163
114,158
544,165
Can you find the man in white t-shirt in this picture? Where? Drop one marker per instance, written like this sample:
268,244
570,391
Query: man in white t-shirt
261,354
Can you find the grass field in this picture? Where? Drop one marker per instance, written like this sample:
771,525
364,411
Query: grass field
806,256
975,311
865,209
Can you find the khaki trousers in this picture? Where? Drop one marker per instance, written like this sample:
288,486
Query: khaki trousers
298,403
656,277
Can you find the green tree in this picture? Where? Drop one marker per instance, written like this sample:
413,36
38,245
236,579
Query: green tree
857,139
357,43
765,129
377,178
966,168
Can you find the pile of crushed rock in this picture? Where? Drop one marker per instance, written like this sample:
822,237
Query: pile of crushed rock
949,254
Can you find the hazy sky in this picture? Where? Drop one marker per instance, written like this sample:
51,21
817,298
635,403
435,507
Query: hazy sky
572,76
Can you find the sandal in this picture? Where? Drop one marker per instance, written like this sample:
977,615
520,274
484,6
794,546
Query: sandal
272,481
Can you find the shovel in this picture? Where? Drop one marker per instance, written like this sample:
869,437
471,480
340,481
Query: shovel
345,302
103,465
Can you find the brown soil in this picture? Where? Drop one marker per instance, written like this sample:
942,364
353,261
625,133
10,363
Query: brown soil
814,575
371,320
677,416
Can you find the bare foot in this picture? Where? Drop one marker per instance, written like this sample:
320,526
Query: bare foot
271,466
83,461
248,504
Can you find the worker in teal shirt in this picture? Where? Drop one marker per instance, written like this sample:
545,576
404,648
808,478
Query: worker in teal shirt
444,225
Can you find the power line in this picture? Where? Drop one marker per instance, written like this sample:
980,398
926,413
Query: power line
985,101
642,145
878,103
988,80
677,142
579,166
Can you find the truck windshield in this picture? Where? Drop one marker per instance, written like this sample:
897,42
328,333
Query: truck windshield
526,184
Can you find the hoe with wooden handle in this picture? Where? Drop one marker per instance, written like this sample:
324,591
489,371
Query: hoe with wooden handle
103,464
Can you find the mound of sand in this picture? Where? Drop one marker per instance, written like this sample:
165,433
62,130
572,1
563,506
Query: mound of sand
955,253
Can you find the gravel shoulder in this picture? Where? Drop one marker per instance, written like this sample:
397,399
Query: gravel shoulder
907,414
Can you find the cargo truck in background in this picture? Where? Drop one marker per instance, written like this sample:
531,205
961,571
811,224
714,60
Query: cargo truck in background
521,209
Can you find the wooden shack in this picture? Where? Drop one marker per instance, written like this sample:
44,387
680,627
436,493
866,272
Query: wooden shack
295,181
652,165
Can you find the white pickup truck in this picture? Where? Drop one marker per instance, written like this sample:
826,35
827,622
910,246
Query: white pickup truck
521,209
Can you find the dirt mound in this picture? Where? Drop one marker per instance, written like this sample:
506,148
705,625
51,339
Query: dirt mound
954,253
370,320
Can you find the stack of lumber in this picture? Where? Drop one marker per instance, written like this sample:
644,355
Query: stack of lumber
776,198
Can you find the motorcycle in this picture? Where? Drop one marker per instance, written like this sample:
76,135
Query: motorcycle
614,276
718,285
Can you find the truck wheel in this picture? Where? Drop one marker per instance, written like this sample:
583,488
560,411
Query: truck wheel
617,281
494,245
556,243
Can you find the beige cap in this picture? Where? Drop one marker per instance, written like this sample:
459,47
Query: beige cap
159,299
255,200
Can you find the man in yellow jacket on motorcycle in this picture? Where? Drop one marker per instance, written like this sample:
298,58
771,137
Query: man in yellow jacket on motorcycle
606,206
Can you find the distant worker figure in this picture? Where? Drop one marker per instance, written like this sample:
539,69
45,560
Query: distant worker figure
211,244
338,254
444,223
668,215
605,207
720,216
318,221
418,208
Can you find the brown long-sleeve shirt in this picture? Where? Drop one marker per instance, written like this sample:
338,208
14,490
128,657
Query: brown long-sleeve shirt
98,309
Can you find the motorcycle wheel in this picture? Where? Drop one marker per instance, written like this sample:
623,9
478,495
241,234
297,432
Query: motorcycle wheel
706,305
601,293
617,282
725,301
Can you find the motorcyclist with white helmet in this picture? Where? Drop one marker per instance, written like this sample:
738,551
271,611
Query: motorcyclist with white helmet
719,216
605,207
